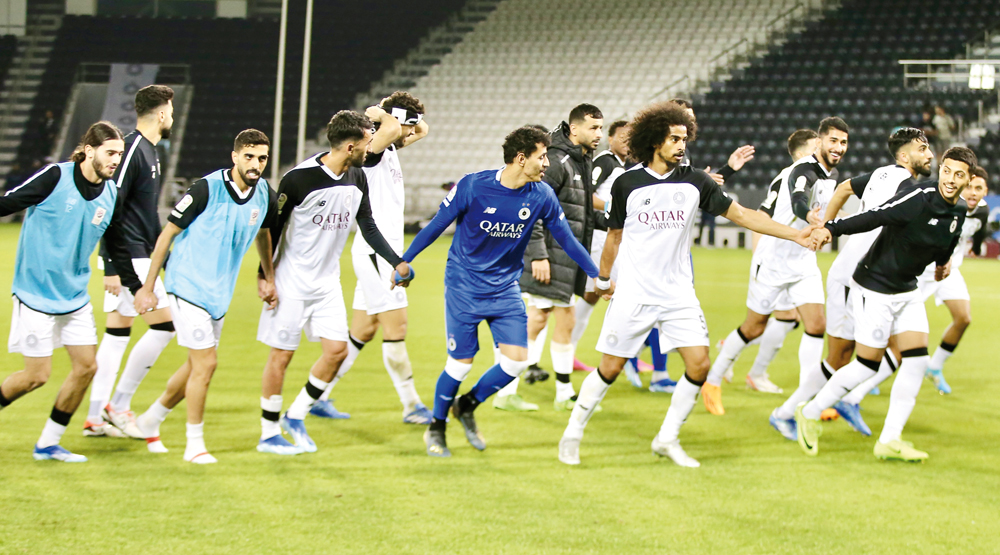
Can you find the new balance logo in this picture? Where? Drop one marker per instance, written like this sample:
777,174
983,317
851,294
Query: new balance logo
932,221
490,210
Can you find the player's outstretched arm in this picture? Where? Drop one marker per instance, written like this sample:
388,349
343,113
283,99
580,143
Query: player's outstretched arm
754,220
145,299
844,191
451,208
564,236
898,210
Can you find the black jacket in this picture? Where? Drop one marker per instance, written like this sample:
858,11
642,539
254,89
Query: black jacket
570,176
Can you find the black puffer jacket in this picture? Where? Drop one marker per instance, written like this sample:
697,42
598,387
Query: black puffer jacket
569,175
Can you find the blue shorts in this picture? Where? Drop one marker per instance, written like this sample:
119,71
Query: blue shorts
504,312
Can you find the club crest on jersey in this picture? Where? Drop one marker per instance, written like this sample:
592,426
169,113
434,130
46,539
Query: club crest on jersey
679,197
100,212
254,214
524,213
347,200
662,219
954,226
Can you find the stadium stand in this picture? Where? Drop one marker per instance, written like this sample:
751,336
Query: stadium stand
8,46
846,65
531,61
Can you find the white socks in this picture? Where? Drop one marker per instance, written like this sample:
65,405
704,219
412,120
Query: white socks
397,364
354,347
811,380
592,391
731,349
842,381
583,312
562,364
196,452
309,394
941,355
140,360
770,343
270,428
109,360
681,403
886,368
51,434
810,351
536,347
904,395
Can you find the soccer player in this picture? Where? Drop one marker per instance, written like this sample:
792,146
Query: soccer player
69,206
920,225
138,224
952,291
318,201
650,221
495,211
781,268
910,150
214,225
400,121
552,278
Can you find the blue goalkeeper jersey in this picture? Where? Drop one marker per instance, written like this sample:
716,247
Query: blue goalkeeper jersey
493,228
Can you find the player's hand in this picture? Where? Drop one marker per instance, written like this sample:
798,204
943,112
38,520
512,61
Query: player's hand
941,272
717,177
741,156
540,270
403,276
113,284
818,236
814,218
374,113
145,300
267,292
606,293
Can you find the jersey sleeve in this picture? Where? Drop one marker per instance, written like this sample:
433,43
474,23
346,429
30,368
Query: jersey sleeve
726,172
615,208
555,222
366,224
452,207
982,213
801,181
191,205
603,166
859,183
272,209
771,200
899,210
33,191
713,199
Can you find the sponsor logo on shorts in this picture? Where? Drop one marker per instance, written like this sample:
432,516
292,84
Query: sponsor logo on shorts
612,339
452,345
878,334
283,335
199,335
663,219
31,340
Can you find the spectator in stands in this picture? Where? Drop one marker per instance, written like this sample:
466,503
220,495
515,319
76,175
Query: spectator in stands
551,277
51,127
946,128
926,125
15,176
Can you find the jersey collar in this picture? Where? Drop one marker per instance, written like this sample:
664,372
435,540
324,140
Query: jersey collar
658,176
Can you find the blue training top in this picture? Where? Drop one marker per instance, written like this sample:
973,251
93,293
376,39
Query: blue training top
494,226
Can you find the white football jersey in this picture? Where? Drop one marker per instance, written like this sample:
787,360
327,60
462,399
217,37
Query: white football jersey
874,189
316,210
805,176
388,199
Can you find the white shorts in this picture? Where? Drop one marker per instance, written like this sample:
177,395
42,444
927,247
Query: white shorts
596,251
196,329
839,310
627,324
878,316
372,293
36,334
545,303
951,288
769,291
124,302
282,327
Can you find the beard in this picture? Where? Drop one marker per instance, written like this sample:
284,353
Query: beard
250,181
924,171
358,160
165,133
100,170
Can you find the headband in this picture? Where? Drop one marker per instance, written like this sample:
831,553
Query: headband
404,116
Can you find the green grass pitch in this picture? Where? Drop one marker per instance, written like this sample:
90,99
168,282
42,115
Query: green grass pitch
371,489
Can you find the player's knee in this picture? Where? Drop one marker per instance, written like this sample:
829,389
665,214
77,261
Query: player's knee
752,330
511,367
816,326
87,369
698,368
962,321
38,378
457,370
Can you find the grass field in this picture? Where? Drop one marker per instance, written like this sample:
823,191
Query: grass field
371,488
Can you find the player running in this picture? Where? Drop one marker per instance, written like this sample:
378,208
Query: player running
318,201
921,225
650,220
495,211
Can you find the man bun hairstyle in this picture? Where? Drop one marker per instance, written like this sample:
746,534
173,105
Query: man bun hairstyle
903,137
833,122
347,125
250,137
523,140
962,154
799,138
616,126
650,127
152,97
95,137
577,115
405,100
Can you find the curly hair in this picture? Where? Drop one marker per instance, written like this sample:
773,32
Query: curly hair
651,126
405,100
